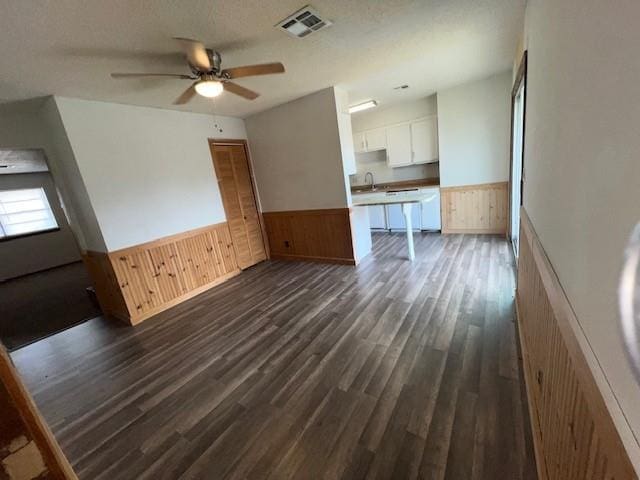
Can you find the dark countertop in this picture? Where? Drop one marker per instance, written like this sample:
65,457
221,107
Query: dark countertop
401,185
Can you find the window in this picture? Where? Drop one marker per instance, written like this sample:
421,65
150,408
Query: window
25,211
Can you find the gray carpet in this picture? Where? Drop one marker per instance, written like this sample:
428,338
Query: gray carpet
41,304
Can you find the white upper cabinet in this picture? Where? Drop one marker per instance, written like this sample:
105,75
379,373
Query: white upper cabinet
370,141
359,143
346,147
424,140
407,143
399,145
376,139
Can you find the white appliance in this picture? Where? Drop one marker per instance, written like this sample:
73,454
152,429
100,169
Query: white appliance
431,210
377,217
395,217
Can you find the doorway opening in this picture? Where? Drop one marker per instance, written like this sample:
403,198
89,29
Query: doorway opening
516,182
44,285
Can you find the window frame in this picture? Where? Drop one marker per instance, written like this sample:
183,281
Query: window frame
8,238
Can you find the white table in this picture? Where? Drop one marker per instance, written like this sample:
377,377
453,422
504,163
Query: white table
406,199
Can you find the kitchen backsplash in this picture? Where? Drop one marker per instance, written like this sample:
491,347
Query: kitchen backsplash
376,163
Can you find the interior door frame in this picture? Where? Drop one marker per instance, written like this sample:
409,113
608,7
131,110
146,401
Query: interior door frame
245,145
520,80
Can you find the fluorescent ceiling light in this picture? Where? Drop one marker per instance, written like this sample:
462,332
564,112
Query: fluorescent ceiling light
363,106
209,88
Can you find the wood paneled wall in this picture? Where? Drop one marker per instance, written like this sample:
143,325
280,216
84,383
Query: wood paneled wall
138,282
482,208
574,435
315,235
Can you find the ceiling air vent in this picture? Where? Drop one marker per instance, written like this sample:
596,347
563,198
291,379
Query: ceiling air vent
303,23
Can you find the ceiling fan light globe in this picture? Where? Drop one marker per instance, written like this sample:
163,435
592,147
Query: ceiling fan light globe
209,88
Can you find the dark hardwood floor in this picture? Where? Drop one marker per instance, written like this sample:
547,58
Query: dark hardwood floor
309,371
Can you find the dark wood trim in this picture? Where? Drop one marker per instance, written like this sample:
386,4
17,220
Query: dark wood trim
320,235
245,144
55,460
339,261
521,78
319,211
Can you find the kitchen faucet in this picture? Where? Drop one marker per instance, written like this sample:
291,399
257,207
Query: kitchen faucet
373,185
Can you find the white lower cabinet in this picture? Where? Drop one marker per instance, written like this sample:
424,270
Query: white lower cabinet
377,217
395,217
431,210
424,216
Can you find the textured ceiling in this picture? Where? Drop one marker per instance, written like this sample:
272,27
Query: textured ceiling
68,48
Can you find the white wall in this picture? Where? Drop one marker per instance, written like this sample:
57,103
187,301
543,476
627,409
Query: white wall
296,154
376,162
582,159
148,172
24,255
397,113
36,123
473,130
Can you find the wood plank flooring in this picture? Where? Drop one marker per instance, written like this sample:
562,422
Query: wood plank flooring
389,370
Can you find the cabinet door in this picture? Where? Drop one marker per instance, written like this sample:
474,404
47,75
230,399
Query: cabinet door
399,145
424,140
431,211
395,217
376,139
377,219
359,144
346,143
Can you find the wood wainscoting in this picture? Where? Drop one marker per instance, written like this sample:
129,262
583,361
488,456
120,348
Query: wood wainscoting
314,235
138,282
482,208
574,435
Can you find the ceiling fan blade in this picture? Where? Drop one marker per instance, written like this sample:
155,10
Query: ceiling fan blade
187,95
142,75
196,53
252,70
239,90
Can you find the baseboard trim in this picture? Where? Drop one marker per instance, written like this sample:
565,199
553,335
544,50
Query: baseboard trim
340,261
473,231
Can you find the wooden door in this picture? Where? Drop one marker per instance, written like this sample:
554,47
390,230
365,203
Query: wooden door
234,178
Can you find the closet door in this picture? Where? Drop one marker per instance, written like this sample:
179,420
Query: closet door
232,169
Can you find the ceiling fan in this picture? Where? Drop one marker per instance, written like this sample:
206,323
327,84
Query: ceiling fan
210,79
